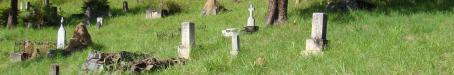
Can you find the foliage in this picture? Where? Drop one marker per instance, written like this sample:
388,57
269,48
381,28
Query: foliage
39,15
3,16
97,8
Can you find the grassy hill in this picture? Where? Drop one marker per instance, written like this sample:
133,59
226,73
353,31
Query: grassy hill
383,41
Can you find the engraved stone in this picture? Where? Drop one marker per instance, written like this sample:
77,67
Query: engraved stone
317,42
187,39
61,36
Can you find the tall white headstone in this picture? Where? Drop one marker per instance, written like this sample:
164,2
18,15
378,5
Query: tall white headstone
250,26
251,21
317,42
187,39
61,36
233,33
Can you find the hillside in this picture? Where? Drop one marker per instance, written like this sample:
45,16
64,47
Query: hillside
383,41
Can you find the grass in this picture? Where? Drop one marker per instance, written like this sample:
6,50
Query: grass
361,42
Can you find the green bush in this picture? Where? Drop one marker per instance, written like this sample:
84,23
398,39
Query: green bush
98,8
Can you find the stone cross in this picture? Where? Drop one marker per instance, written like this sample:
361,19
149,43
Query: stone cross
233,33
250,27
251,21
187,39
317,41
125,6
99,22
61,36
54,69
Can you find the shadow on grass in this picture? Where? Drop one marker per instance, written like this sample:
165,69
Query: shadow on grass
404,7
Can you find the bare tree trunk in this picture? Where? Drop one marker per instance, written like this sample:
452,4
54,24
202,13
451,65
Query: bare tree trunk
12,18
272,12
277,12
282,18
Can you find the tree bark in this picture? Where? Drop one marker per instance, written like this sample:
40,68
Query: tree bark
277,12
282,18
272,12
12,18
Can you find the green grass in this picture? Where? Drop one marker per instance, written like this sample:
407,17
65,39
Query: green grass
360,42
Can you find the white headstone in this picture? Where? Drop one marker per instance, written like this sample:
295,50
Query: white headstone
316,43
99,22
187,39
233,33
251,21
21,5
61,36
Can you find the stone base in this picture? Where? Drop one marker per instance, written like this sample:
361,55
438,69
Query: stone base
251,28
313,47
184,52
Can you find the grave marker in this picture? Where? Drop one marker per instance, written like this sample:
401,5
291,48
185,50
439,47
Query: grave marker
61,36
233,33
318,40
187,39
250,27
99,22
54,69
125,6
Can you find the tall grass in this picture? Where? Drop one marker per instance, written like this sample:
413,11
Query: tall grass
360,42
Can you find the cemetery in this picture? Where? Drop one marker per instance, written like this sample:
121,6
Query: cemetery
232,37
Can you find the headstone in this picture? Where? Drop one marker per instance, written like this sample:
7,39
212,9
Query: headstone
233,33
46,3
27,6
153,14
99,22
21,5
250,27
88,15
16,57
187,39
61,36
317,42
54,69
125,6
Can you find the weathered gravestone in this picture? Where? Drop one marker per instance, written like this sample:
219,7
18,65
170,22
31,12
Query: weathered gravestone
99,22
187,39
27,6
153,14
250,27
125,6
233,33
54,69
46,3
61,36
88,16
318,40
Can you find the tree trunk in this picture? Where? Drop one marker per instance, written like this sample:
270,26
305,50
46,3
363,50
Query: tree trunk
277,12
12,18
272,12
282,8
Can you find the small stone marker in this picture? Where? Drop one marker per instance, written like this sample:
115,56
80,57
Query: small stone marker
317,42
61,36
250,27
233,33
54,69
125,6
153,14
99,22
16,57
46,3
187,39
27,5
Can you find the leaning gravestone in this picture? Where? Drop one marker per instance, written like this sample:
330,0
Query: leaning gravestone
187,39
99,22
317,42
61,36
250,27
233,33
125,6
